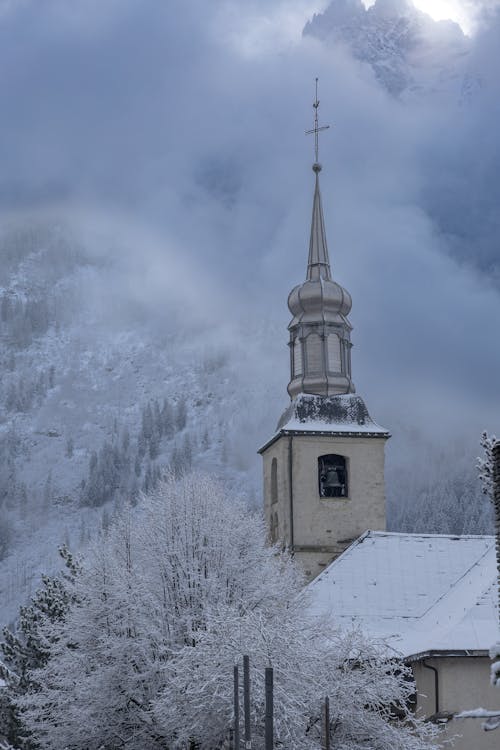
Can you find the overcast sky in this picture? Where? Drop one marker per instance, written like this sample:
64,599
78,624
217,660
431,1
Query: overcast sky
179,125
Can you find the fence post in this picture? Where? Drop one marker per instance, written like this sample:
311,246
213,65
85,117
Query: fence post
236,698
246,702
269,733
325,724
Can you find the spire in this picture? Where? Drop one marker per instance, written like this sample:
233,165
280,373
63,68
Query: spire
318,266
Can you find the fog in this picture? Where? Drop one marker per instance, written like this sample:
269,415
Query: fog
170,137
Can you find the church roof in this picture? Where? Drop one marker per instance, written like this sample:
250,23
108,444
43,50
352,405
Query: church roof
421,593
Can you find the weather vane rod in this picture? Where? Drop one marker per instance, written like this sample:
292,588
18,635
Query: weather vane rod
317,129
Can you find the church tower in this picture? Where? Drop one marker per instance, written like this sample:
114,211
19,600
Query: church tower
324,466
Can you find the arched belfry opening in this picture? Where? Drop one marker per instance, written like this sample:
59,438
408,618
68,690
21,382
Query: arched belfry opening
332,476
324,465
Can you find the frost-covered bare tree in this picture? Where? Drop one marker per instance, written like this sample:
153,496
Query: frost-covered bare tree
166,604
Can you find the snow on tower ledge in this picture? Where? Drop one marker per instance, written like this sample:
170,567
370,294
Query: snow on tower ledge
344,415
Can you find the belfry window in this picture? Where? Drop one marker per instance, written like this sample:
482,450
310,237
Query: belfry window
334,358
332,476
297,358
314,353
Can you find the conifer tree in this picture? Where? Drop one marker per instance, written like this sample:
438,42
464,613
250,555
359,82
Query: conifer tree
28,648
485,464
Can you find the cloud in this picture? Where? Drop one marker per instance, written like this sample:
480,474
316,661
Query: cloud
185,121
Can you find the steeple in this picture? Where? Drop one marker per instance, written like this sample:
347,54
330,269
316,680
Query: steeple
320,333
324,465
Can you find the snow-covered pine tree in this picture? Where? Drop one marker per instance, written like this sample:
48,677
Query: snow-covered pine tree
166,604
485,464
28,648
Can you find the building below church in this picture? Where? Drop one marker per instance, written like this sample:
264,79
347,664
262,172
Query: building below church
430,601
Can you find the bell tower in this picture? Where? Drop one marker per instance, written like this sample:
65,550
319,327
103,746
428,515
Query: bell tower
324,466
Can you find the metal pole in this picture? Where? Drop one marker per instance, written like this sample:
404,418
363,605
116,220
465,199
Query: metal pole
236,709
325,725
246,702
269,733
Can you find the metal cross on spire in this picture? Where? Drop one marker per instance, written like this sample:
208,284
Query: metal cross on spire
316,130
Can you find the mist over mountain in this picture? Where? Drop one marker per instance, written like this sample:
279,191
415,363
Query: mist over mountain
98,398
409,52
156,193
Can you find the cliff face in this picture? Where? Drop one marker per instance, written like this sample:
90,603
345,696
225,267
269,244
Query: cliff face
409,52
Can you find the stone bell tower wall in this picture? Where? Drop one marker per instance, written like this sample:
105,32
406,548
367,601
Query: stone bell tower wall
317,528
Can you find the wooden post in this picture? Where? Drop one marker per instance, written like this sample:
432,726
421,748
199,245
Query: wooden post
269,730
236,697
246,702
325,724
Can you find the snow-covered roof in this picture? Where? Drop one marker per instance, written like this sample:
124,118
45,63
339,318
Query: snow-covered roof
344,415
421,593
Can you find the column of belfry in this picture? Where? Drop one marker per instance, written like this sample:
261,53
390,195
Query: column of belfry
324,466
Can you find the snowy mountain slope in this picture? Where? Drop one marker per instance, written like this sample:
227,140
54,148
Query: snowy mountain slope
409,52
94,400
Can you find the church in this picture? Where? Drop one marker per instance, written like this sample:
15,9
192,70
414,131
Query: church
431,599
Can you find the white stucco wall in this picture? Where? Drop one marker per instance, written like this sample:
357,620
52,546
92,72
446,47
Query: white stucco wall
464,684
324,527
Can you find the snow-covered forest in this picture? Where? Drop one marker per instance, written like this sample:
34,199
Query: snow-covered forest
97,398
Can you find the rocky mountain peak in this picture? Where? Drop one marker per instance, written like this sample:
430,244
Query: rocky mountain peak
409,52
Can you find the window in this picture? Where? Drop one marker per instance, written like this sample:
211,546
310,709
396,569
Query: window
332,474
314,353
274,481
334,360
297,358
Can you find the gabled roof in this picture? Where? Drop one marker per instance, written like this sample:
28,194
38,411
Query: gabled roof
421,593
